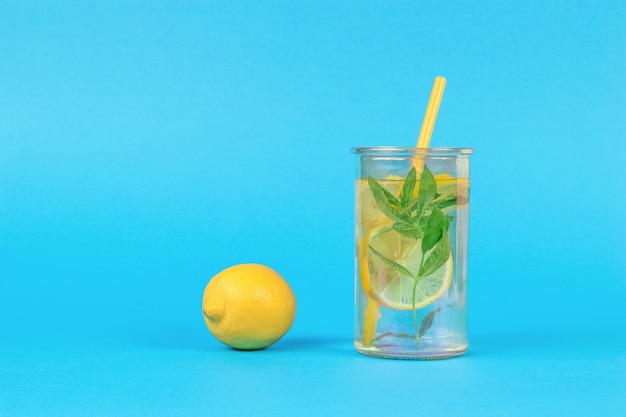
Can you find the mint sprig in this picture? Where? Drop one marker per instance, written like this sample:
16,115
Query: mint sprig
416,217
419,217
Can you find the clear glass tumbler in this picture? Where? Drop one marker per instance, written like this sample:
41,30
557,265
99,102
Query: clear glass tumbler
411,213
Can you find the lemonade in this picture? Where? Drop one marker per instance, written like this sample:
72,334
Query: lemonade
411,252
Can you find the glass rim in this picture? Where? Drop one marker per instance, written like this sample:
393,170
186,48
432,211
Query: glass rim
397,150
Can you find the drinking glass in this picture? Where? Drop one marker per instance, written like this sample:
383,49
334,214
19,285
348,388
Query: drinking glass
411,236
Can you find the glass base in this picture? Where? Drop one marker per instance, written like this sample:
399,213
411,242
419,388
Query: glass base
408,349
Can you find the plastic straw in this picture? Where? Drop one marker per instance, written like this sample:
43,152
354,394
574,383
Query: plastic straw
372,313
431,112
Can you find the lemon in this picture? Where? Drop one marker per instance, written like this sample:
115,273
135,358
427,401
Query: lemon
248,306
392,288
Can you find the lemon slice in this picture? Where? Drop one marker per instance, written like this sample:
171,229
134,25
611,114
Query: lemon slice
392,288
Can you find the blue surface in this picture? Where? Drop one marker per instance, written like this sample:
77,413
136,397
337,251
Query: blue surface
145,146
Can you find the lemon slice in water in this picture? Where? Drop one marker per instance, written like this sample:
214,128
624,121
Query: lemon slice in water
392,288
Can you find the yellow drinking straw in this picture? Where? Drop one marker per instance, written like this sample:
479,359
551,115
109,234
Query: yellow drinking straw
372,313
429,120
431,113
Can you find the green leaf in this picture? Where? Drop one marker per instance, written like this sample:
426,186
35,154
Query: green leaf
382,199
436,226
408,188
428,187
391,263
412,206
423,221
437,257
448,201
410,230
391,198
427,321
431,237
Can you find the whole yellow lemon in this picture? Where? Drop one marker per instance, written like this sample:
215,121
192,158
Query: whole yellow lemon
248,306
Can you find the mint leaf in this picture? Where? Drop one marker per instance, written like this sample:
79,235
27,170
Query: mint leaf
431,237
407,189
383,200
436,225
391,198
427,321
448,201
412,206
437,257
410,230
427,190
391,263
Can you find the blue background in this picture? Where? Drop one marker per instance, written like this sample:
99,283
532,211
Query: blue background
145,146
